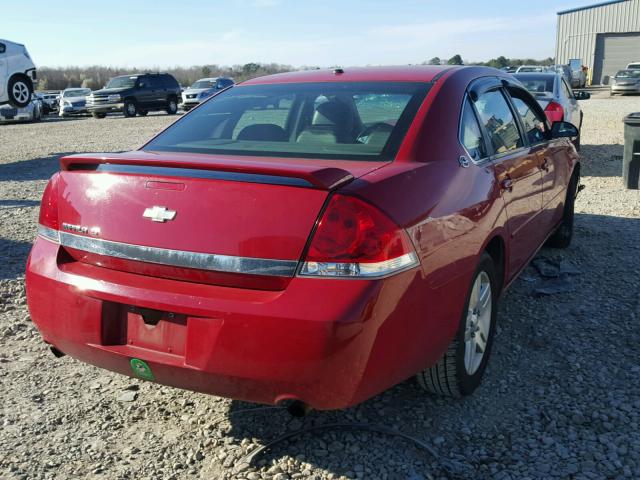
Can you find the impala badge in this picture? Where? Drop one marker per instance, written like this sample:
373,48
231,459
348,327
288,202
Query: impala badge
159,214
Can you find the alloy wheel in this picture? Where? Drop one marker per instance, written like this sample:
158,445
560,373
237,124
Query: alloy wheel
478,323
21,92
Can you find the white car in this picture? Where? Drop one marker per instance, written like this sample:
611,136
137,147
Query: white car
531,69
73,101
17,74
31,113
633,66
203,89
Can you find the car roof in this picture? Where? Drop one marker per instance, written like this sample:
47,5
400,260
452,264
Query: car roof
410,73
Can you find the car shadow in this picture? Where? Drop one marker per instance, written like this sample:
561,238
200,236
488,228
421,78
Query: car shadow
33,169
601,160
480,434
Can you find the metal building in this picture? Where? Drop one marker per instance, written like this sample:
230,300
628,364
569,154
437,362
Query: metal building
604,36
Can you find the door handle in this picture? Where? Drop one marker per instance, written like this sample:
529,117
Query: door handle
545,165
507,184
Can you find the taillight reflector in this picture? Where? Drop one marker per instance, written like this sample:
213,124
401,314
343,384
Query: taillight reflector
354,239
554,112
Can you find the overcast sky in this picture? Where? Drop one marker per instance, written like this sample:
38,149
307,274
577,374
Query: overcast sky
159,33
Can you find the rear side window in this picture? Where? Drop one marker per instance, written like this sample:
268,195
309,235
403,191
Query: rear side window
498,120
3,48
471,135
169,81
333,120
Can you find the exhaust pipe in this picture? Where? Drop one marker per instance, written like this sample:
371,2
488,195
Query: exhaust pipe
297,408
57,353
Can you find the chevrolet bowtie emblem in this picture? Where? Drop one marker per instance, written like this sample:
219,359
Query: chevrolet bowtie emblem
159,214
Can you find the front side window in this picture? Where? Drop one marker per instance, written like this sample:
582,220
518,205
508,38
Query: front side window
333,120
471,135
497,118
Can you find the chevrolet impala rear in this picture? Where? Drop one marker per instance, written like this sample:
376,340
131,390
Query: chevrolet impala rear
279,243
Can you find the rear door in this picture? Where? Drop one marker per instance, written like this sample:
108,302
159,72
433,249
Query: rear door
145,93
517,170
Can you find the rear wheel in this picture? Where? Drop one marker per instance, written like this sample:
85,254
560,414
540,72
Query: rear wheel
561,238
19,91
172,106
130,108
459,372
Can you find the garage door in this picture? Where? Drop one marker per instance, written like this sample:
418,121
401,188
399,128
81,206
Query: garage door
613,52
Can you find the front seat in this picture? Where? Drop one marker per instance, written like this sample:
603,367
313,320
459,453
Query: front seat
333,122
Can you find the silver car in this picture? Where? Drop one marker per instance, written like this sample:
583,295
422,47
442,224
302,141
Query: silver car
73,101
625,81
554,94
203,89
31,113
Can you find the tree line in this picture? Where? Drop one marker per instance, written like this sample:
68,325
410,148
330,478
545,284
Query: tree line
499,62
97,76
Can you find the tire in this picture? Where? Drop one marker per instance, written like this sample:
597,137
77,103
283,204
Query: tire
130,108
172,106
459,372
19,90
98,115
142,113
561,238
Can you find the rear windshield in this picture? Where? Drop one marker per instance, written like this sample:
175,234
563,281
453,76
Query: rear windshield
204,84
352,121
537,84
628,74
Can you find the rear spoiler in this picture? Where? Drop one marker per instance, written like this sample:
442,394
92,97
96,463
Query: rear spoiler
286,172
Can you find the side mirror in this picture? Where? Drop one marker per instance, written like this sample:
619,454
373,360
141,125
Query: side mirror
564,130
582,95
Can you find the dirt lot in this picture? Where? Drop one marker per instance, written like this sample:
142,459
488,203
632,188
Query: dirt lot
561,396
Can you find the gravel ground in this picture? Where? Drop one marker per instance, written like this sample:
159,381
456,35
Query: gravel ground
561,396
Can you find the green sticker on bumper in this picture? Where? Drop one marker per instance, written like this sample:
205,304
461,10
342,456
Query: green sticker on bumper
141,369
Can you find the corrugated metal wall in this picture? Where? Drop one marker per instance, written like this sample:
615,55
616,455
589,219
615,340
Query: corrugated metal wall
577,30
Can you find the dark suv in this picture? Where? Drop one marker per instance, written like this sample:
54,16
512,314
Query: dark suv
136,95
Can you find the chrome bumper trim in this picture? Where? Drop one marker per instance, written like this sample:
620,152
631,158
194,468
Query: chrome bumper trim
180,258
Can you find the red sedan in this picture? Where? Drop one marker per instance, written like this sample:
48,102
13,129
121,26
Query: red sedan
307,238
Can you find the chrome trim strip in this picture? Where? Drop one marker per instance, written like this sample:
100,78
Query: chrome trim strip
180,258
49,233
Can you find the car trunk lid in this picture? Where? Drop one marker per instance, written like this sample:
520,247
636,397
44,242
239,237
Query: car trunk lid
202,218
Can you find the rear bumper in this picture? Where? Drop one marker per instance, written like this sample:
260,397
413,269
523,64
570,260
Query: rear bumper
625,88
329,343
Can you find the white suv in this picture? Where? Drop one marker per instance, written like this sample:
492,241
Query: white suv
17,74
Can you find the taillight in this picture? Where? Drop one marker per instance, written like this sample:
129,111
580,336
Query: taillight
48,221
354,239
554,112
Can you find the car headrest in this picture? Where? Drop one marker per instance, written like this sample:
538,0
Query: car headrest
263,132
334,111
